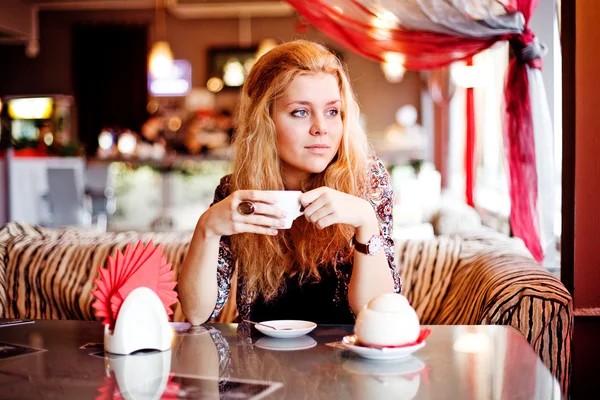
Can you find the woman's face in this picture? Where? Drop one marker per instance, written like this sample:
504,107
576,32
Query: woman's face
308,125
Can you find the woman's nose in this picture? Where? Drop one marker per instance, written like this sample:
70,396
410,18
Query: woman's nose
319,127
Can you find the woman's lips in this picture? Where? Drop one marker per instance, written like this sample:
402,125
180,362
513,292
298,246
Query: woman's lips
317,148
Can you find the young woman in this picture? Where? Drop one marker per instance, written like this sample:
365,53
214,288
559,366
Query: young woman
298,130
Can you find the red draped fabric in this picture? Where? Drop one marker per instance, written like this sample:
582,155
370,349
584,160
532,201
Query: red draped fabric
470,144
519,141
349,22
351,28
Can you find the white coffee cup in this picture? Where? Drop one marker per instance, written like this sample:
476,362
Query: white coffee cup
289,201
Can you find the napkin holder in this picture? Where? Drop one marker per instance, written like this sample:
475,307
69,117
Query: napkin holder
141,376
142,323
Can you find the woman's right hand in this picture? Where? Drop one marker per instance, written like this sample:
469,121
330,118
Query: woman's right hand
225,219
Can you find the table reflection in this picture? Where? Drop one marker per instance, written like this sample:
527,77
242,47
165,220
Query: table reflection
138,376
389,379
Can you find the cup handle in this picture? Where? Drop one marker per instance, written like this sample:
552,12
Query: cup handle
300,211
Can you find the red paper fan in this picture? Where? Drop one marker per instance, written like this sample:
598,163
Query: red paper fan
144,266
106,289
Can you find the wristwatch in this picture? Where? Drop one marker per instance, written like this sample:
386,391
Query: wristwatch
373,246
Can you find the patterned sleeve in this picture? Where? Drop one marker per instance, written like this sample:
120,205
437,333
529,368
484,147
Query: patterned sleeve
225,261
381,197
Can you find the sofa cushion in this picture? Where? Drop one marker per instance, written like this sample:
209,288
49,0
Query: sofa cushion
51,271
426,268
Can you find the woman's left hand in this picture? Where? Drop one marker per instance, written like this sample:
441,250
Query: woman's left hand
324,206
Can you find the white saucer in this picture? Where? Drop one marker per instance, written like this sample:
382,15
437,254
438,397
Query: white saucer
299,328
387,353
299,343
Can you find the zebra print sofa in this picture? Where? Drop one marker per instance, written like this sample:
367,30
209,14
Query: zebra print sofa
460,280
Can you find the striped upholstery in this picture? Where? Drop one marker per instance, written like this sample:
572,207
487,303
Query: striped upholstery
459,280
51,271
501,284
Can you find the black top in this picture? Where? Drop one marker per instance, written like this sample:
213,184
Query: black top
312,301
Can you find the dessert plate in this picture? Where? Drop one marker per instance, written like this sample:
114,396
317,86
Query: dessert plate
377,353
286,328
300,343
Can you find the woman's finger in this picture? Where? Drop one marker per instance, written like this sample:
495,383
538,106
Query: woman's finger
255,195
321,213
261,220
316,205
240,227
269,210
312,195
327,221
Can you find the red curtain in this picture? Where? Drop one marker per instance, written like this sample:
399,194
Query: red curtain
352,29
349,23
519,141
470,143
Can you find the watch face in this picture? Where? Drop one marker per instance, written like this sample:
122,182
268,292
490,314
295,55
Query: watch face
375,245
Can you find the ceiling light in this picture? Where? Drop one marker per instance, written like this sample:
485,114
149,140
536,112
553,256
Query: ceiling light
160,59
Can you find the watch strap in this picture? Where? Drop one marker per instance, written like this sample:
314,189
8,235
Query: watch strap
365,248
360,247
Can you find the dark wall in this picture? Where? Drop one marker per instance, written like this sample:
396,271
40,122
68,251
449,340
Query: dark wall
109,70
48,73
51,71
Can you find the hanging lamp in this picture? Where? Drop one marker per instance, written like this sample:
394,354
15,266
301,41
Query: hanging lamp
160,59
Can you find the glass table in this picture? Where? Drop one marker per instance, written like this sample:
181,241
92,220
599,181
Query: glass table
65,360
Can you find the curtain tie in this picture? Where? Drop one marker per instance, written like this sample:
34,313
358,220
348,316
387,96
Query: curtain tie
527,49
531,51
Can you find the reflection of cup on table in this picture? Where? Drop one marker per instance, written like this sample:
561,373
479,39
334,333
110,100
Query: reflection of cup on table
289,201
395,379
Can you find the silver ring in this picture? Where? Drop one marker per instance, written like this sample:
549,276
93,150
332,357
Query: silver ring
246,208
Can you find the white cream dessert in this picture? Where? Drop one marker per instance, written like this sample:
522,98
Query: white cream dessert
388,320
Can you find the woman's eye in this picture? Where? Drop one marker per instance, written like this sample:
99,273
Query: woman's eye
333,112
299,113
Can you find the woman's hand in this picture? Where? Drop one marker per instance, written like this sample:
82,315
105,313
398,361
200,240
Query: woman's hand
224,218
325,206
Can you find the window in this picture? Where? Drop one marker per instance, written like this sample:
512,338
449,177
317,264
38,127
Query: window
491,181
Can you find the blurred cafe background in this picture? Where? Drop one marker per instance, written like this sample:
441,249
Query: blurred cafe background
118,114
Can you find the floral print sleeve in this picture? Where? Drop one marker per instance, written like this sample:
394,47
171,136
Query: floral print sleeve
381,197
225,261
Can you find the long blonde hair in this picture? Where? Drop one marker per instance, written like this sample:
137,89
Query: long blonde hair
265,261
